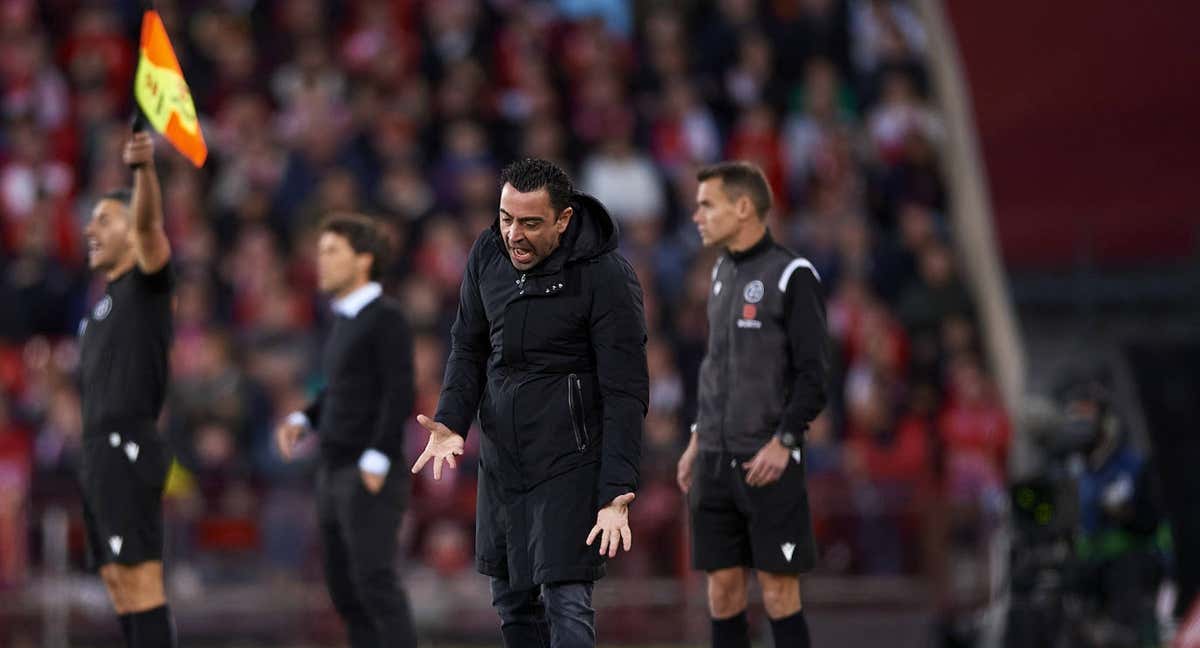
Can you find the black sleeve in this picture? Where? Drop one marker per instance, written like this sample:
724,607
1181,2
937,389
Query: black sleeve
462,386
395,356
618,328
159,281
808,346
313,411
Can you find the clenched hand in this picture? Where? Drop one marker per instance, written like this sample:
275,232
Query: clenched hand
768,464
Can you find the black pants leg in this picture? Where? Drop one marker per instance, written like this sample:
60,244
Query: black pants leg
523,621
360,543
572,618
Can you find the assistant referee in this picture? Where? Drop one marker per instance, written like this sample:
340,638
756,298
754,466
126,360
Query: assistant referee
762,382
123,381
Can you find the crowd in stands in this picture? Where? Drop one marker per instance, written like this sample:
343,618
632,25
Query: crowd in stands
406,110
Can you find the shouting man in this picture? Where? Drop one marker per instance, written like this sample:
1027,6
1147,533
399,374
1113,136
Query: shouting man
549,351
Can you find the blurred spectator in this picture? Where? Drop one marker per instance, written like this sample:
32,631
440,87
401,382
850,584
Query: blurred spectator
624,180
900,114
975,434
16,472
58,440
808,132
717,42
756,139
884,31
685,132
810,29
936,294
752,80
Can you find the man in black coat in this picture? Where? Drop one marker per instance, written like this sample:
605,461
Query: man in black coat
549,350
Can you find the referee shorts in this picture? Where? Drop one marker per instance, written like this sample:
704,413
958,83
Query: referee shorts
768,528
123,469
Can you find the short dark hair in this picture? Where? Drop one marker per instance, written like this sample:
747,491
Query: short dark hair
740,178
364,235
123,195
531,174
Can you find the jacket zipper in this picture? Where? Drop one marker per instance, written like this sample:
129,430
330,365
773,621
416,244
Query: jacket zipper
732,334
575,405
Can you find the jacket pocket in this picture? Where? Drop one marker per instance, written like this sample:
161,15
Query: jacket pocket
578,414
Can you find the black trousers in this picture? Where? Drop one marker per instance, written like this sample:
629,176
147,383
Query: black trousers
359,542
554,615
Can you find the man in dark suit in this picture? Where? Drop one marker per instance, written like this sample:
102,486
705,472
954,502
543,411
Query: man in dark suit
359,417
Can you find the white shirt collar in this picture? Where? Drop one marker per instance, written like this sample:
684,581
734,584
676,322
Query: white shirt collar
351,304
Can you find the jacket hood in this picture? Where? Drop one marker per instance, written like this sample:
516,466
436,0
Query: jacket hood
595,233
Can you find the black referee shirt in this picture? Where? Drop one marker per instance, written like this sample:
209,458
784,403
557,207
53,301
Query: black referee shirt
124,342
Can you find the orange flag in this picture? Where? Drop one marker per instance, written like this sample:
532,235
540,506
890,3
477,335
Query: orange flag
162,93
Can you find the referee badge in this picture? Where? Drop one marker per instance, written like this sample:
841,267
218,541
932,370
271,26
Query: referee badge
102,309
754,292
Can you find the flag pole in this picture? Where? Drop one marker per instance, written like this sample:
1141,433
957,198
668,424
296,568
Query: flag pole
138,122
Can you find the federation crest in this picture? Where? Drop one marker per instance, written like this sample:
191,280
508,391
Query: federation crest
753,292
102,308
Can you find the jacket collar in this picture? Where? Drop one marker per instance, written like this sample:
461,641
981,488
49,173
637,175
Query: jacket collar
350,305
763,245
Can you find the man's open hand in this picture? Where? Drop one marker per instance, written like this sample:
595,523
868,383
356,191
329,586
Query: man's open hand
443,445
612,524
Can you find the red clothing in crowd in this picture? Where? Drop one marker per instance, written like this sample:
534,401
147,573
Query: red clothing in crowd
16,467
904,458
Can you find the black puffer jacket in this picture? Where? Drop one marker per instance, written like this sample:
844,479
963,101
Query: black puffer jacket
553,362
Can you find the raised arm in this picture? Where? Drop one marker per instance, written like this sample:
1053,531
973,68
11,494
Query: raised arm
150,243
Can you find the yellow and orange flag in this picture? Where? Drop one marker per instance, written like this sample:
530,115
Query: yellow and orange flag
162,93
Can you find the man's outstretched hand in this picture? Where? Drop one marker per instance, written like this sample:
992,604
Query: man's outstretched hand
612,524
443,444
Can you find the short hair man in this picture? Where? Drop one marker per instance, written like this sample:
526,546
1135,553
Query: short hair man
124,344
762,382
549,350
360,417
